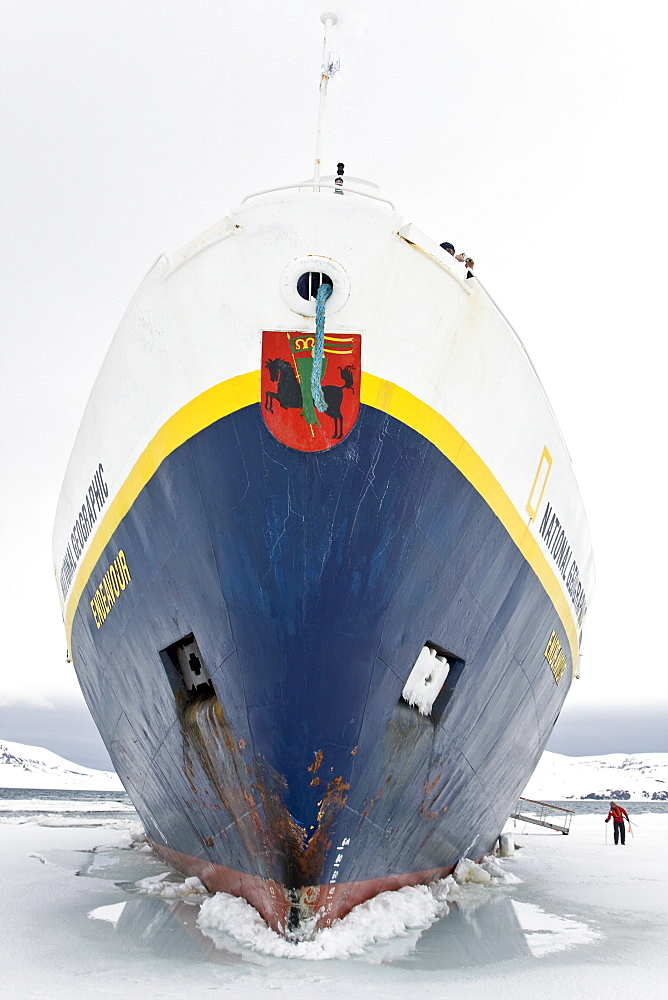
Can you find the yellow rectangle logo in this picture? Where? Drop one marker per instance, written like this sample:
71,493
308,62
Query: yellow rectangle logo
555,656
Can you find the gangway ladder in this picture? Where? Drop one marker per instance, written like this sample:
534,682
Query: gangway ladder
563,815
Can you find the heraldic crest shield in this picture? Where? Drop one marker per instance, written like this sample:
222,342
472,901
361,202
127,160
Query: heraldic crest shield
291,409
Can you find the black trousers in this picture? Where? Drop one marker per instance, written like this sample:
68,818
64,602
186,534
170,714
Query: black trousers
619,831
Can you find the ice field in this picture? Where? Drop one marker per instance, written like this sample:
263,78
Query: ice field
573,914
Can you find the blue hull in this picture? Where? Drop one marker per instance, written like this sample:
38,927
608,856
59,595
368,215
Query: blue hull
310,582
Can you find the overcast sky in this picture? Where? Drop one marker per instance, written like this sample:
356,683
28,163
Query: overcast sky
528,133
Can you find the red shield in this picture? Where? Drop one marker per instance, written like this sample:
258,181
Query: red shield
288,407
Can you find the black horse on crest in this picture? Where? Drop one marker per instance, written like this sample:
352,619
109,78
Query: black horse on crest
289,394
288,391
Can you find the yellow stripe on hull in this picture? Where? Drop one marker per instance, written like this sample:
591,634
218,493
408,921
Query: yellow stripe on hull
243,390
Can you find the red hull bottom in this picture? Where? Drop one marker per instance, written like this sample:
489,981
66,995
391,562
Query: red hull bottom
326,903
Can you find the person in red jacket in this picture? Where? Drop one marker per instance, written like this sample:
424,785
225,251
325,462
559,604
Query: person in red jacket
617,814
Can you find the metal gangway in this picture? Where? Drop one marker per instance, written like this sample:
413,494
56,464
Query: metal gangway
561,822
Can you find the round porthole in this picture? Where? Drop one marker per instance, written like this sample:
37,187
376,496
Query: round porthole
310,282
302,278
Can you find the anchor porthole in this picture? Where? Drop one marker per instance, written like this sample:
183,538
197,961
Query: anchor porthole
302,278
185,668
310,282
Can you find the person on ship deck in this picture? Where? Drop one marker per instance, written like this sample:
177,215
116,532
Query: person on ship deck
463,258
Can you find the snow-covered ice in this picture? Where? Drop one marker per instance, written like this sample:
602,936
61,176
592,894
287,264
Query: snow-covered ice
572,913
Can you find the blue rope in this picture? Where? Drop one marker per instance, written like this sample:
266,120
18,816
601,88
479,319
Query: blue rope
324,293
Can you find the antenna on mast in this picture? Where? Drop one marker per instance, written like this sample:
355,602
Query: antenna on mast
330,64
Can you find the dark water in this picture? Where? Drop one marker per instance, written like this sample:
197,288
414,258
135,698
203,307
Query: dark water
589,807
76,804
62,795
94,805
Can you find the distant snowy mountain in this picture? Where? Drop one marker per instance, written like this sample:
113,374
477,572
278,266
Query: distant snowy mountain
22,766
610,776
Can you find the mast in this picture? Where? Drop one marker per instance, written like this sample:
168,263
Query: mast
330,64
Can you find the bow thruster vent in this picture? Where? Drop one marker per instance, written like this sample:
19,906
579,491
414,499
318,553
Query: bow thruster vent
432,680
426,679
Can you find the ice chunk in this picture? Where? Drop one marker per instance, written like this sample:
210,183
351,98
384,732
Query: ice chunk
499,874
112,914
168,885
469,871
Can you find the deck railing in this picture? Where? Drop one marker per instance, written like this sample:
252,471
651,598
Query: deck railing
548,815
